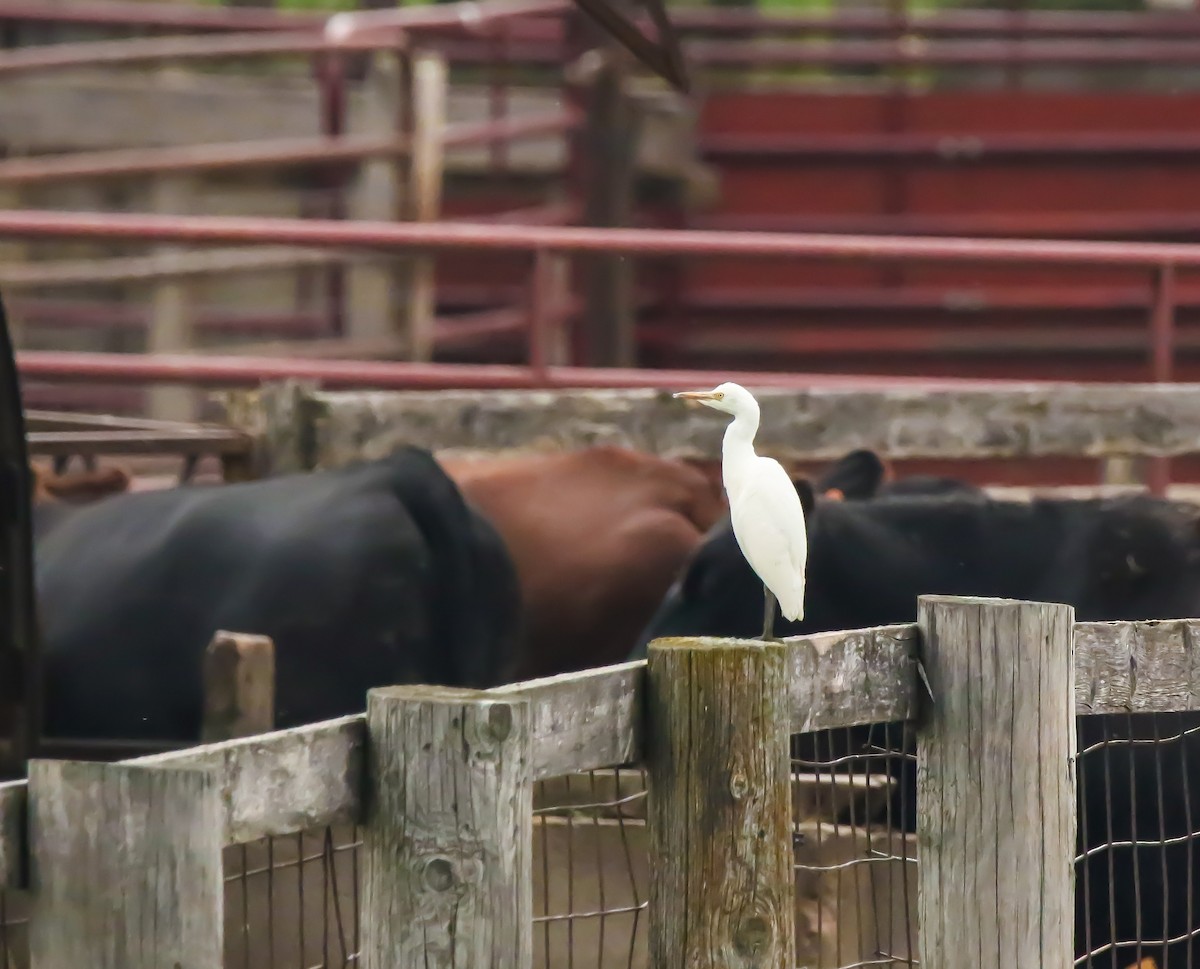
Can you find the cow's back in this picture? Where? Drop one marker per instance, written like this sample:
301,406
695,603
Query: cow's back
352,584
597,536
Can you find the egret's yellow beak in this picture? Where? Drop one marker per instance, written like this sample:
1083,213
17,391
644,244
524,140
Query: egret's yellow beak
696,395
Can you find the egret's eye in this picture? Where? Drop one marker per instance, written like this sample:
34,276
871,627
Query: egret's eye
719,395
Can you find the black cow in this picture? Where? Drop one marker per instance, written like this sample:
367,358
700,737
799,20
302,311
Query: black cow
372,574
1125,558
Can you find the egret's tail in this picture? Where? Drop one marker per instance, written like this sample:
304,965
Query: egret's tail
791,607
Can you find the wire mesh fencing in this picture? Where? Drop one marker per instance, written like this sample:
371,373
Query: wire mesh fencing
853,824
291,902
1136,899
590,871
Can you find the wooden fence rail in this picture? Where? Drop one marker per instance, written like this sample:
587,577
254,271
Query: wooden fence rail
1113,423
442,781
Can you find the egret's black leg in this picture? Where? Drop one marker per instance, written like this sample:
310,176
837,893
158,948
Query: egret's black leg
769,617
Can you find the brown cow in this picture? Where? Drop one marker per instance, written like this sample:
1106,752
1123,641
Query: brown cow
597,536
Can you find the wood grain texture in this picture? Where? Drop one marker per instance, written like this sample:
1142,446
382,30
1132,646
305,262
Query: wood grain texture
239,686
719,810
12,834
282,782
844,679
447,839
1143,667
139,886
996,785
814,425
586,720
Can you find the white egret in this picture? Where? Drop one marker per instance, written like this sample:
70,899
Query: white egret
768,519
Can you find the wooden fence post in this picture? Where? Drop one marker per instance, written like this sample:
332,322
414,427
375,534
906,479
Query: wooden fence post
996,785
423,194
125,867
372,280
170,328
239,686
719,808
1119,469
448,836
393,296
612,132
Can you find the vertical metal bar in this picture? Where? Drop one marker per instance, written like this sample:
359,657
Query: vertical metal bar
1162,325
301,962
895,122
576,171
326,857
356,835
540,280
1187,737
499,89
1156,719
271,901
244,856
331,80
1162,360
1083,864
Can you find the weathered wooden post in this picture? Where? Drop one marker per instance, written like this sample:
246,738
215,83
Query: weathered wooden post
719,809
429,76
448,834
611,132
170,316
996,785
391,294
125,866
373,293
239,686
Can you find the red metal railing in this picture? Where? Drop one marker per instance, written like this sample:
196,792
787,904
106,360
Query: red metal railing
125,15
334,152
250,371
325,152
367,30
901,52
118,227
719,38
1161,260
121,14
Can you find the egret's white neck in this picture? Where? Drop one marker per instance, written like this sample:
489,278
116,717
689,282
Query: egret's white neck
737,450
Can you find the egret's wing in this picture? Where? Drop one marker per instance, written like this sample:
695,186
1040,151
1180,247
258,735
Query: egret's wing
768,521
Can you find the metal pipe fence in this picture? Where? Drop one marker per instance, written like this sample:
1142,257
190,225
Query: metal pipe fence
1024,22
1163,261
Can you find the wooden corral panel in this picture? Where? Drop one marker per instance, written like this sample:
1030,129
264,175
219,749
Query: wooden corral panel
585,861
